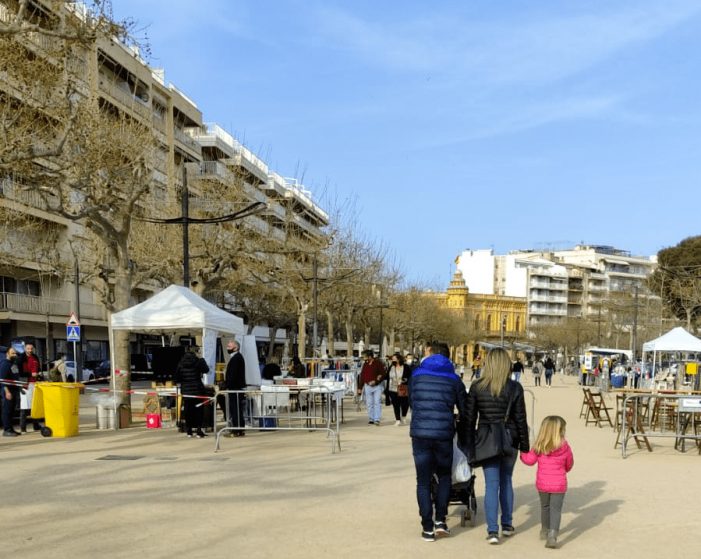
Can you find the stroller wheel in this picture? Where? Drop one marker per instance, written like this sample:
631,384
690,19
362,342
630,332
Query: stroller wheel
46,431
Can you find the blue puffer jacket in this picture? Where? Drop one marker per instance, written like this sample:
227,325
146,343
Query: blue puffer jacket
434,392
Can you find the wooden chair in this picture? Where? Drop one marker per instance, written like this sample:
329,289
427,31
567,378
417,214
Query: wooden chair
634,426
597,411
585,403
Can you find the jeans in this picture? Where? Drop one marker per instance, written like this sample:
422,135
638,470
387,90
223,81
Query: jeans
517,376
432,457
373,400
499,491
549,377
551,510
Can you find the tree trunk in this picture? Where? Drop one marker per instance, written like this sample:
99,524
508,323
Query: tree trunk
390,345
366,337
302,334
349,338
122,355
272,330
329,335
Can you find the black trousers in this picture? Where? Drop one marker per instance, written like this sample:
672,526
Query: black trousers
399,403
193,414
8,407
236,405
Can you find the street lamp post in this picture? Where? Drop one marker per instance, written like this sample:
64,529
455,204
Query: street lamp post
503,327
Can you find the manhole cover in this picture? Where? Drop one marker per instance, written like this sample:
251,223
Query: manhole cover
214,459
166,457
118,457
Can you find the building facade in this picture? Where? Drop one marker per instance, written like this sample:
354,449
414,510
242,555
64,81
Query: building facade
35,302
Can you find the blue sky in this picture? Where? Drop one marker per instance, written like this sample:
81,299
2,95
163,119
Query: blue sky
454,124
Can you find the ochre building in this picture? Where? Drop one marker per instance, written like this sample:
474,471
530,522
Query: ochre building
488,318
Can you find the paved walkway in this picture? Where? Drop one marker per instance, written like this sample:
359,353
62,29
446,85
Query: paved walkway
285,495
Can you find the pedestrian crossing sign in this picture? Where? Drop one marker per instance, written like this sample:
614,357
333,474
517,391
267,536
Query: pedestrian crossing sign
73,333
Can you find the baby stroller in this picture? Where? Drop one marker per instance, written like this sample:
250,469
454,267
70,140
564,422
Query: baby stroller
461,494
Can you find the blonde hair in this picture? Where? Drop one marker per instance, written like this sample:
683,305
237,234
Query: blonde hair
495,371
551,434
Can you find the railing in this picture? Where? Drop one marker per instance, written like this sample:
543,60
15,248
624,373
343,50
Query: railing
182,137
315,406
14,190
125,97
34,304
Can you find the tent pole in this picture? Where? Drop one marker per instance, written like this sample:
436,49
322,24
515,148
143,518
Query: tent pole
113,376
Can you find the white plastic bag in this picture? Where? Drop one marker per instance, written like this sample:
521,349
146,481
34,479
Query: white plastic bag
461,469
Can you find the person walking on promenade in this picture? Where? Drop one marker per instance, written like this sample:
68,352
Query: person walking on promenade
9,392
549,370
434,393
494,399
398,389
537,371
235,379
554,458
190,371
517,370
370,385
476,367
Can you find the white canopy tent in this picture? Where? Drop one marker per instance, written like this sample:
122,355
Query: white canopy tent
177,309
677,339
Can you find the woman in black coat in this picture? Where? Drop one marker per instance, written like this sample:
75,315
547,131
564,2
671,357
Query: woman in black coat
488,401
190,371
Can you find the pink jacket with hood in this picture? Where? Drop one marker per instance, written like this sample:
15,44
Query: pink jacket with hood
552,468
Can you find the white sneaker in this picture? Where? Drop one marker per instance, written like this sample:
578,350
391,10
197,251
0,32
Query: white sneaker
402,421
397,423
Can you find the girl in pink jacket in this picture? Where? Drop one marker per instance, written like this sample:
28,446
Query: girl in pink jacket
554,458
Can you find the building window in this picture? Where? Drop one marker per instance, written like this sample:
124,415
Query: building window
488,324
518,324
477,323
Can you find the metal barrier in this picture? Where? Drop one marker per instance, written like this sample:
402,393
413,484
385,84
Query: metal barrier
287,408
687,408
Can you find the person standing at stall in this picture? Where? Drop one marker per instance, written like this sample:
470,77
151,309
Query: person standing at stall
29,367
190,371
235,379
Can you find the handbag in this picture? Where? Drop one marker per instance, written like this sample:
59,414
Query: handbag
402,390
493,440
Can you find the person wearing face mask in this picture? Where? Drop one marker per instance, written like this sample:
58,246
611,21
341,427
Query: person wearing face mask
398,389
235,379
9,392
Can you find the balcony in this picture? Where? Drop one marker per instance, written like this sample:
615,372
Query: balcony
186,140
12,189
32,304
121,93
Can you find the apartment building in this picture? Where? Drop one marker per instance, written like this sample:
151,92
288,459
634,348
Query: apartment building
559,284
34,302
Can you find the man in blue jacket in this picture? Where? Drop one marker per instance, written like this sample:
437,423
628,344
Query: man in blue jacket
434,393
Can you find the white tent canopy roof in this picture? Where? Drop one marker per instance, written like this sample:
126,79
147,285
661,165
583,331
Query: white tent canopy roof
177,308
676,339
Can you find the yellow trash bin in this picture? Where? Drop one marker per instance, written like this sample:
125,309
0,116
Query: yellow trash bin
58,403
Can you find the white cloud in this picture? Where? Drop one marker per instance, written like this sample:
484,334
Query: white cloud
499,52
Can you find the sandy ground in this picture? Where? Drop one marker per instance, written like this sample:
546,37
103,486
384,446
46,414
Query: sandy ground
286,495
